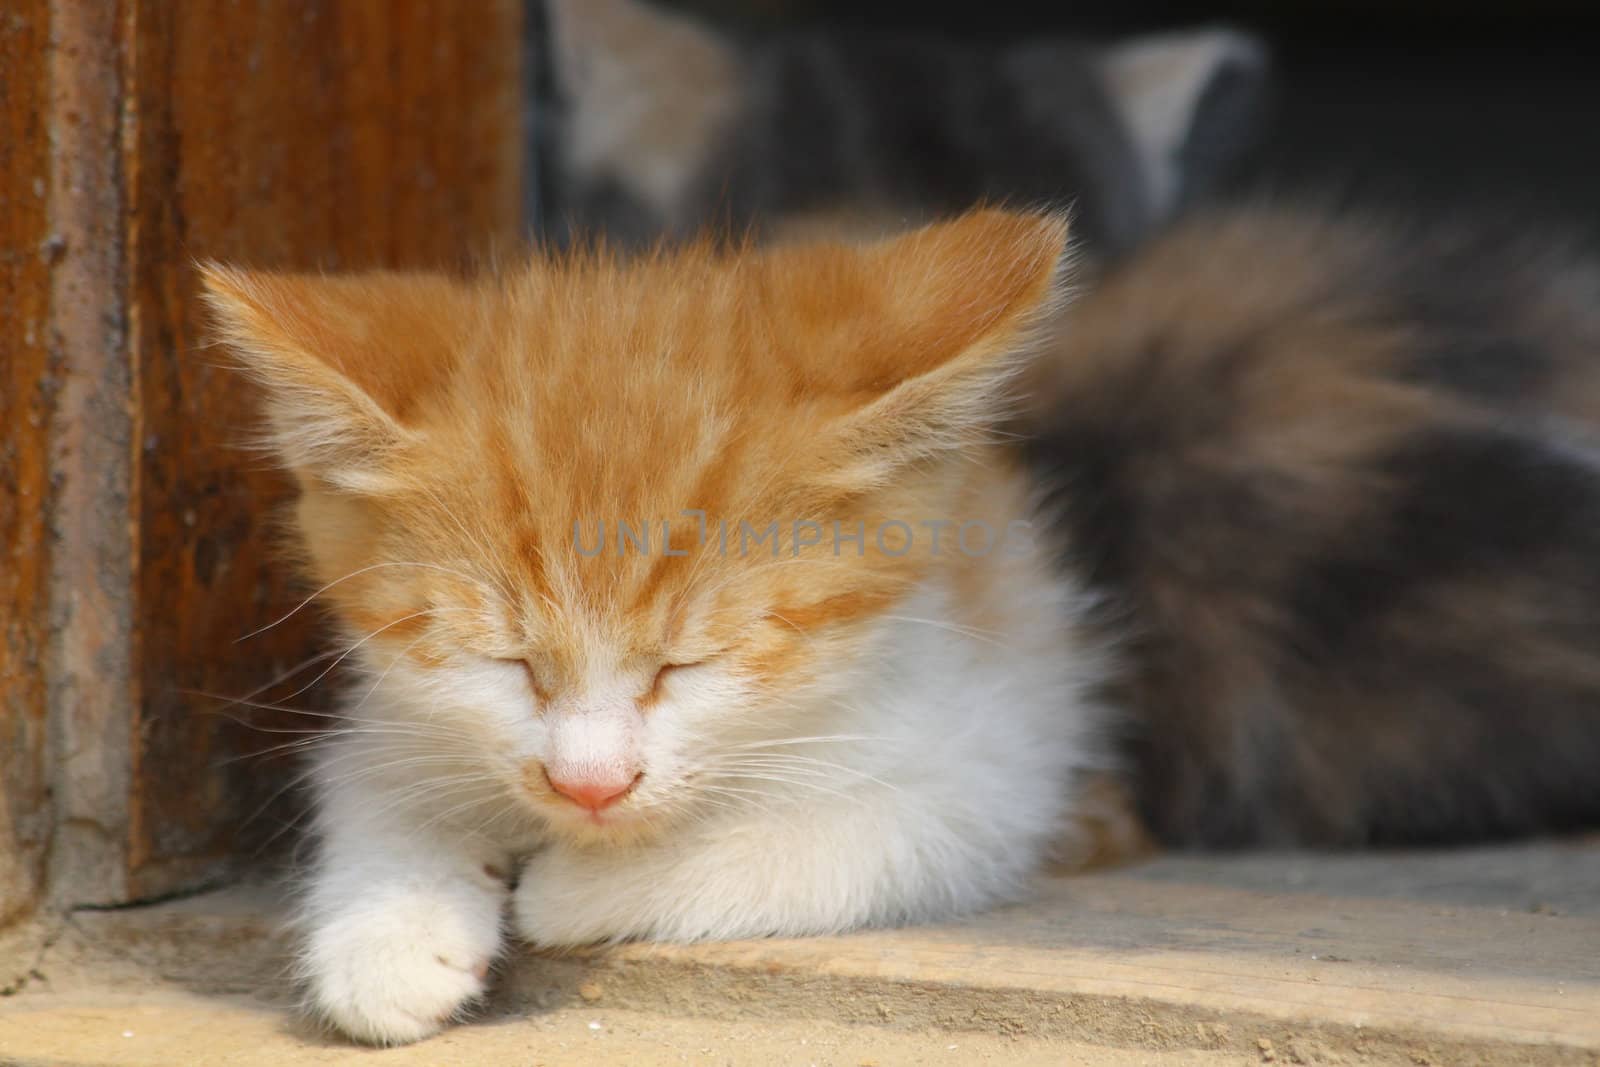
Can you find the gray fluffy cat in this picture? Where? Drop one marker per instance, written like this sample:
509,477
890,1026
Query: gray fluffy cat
663,124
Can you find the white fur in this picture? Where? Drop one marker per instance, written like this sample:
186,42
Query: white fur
400,926
942,770
1157,83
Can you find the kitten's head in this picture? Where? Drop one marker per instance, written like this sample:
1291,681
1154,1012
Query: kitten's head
663,123
467,452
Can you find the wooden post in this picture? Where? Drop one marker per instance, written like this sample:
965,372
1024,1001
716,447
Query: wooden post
26,402
320,134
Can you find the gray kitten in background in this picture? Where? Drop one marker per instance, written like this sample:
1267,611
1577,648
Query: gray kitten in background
663,124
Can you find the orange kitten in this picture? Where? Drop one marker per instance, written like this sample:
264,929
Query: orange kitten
695,584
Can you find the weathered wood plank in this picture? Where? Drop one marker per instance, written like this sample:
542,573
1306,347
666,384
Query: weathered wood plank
324,134
136,535
93,538
25,406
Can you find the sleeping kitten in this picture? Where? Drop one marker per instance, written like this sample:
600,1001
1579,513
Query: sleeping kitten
663,124
848,687
704,586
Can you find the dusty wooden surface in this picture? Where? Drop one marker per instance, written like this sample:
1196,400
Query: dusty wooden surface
175,1028
1489,956
26,399
1205,954
137,533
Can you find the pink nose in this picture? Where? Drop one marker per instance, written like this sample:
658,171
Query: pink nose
596,795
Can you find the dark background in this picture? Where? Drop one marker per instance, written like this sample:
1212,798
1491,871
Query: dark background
1484,108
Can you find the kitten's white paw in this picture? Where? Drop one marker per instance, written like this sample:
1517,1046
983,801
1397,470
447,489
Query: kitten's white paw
395,970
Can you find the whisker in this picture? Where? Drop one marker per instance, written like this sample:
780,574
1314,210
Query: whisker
782,780
358,775
987,636
495,787
347,652
281,678
802,764
417,727
292,612
399,656
813,740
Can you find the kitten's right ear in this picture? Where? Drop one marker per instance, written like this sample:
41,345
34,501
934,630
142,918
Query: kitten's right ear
647,92
1191,102
342,361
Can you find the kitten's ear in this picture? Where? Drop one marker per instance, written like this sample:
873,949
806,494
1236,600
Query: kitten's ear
955,308
342,360
647,93
1191,103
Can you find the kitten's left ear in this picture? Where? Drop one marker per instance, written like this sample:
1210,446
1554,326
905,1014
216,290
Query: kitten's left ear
953,311
1191,103
343,361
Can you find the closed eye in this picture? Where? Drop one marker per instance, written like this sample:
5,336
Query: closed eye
666,671
528,672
